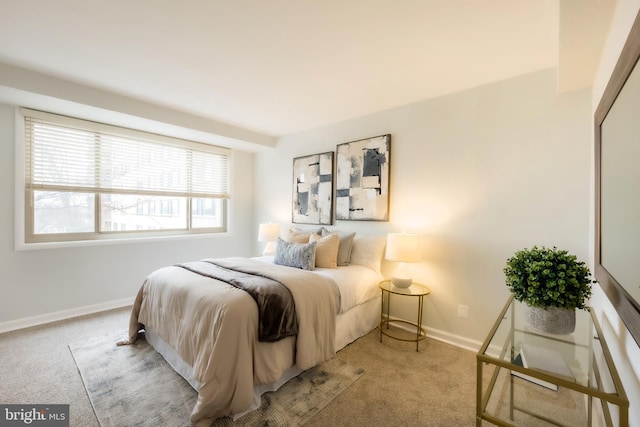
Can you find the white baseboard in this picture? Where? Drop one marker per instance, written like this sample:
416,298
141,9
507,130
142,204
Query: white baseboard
28,322
456,340
446,337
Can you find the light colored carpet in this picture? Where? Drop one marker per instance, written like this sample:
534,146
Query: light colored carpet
134,386
564,407
434,387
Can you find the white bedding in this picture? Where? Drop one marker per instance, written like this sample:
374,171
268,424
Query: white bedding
358,314
357,283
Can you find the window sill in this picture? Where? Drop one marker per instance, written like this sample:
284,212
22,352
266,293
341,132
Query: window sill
21,246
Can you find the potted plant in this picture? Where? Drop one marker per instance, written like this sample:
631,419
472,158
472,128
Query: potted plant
553,283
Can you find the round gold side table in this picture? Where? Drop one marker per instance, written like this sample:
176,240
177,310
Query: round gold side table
415,290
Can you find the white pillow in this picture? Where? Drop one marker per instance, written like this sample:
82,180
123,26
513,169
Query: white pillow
368,251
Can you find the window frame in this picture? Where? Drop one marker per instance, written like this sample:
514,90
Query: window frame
26,238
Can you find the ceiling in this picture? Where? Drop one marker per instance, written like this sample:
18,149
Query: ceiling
282,66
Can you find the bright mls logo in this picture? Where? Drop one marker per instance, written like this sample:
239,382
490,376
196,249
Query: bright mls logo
34,415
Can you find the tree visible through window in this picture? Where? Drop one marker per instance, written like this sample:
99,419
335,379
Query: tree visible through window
86,180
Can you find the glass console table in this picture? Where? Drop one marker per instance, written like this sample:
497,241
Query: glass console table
533,378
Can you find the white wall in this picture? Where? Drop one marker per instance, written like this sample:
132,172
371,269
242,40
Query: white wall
624,349
479,174
45,284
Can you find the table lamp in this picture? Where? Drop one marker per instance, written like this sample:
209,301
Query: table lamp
403,248
269,233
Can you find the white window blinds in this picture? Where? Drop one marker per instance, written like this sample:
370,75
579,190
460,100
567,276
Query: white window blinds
67,154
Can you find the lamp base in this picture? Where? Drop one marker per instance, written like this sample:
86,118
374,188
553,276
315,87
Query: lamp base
401,282
270,249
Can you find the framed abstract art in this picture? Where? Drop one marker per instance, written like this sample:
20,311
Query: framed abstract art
362,179
313,189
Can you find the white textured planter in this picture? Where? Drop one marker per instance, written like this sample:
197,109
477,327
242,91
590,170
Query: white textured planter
554,320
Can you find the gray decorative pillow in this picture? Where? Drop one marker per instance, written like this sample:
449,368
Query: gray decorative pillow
297,255
344,248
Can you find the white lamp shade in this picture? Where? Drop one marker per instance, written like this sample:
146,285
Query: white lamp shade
403,247
268,232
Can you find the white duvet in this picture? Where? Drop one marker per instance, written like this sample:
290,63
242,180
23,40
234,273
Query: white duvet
357,284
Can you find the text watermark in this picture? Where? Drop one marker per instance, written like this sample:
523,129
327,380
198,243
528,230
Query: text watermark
34,415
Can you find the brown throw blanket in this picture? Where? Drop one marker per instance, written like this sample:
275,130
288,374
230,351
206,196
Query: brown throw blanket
276,309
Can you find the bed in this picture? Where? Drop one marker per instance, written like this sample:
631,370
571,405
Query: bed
210,329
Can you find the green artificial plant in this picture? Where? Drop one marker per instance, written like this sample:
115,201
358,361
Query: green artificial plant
544,277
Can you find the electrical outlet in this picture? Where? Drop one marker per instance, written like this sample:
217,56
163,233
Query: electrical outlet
463,311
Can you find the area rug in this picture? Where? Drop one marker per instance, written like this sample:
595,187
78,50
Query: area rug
134,386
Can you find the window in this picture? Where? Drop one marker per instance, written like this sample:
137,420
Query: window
88,181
